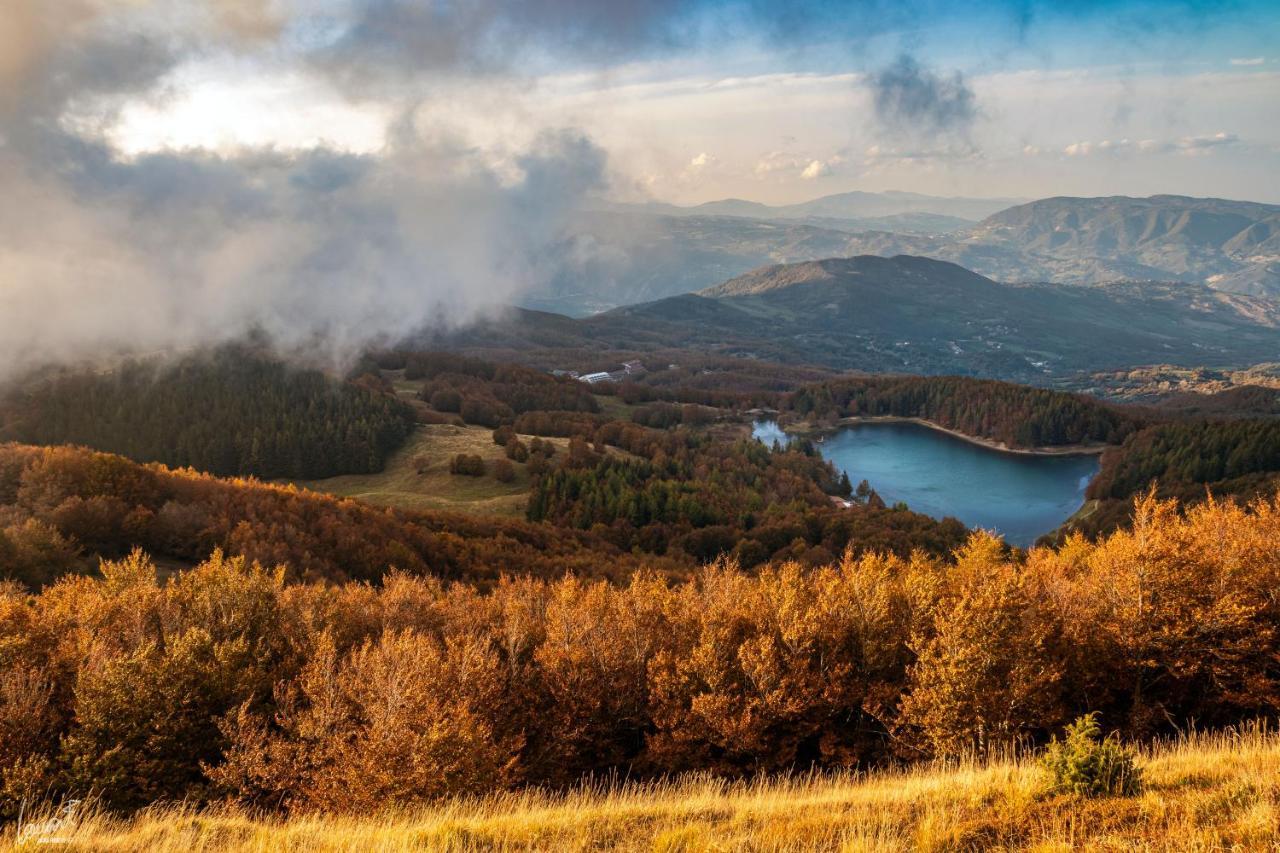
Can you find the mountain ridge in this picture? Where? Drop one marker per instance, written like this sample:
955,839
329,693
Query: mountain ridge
854,204
1228,245
923,315
628,255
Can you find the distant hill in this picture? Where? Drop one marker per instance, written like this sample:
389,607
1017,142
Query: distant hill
636,253
918,315
632,255
851,205
1233,246
622,258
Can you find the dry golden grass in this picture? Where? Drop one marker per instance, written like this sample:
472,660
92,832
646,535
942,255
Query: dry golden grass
1214,792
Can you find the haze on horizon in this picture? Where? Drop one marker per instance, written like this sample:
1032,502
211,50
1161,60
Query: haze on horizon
183,170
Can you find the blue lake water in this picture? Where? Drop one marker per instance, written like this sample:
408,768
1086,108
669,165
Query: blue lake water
1021,497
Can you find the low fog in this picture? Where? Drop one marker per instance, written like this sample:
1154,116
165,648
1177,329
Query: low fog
320,250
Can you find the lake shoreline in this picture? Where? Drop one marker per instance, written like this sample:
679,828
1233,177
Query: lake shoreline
806,429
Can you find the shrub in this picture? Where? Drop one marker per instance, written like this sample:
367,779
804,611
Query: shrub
487,413
446,400
502,435
469,465
503,471
1090,765
517,451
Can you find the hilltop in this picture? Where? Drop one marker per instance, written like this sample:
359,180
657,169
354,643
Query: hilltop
917,315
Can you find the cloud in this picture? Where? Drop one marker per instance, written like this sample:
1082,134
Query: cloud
449,213
397,41
1188,145
815,169
779,161
882,155
1200,144
249,19
909,97
1252,60
788,165
324,251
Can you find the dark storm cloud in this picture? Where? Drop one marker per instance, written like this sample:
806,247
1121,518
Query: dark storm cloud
910,97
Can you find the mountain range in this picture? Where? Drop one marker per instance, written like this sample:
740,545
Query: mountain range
1232,246
920,315
850,206
636,253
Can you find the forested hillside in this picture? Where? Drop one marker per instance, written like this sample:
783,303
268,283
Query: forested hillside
1188,460
230,413
491,394
1019,416
60,505
911,314
227,682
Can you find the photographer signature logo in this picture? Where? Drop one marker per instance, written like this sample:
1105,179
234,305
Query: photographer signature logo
52,830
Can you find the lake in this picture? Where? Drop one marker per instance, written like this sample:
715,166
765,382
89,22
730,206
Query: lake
1017,495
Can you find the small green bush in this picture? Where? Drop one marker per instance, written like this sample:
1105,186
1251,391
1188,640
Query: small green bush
1088,764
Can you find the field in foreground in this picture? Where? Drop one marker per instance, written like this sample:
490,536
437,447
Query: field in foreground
1205,792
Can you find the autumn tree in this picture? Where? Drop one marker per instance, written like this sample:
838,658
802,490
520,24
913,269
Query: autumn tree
987,671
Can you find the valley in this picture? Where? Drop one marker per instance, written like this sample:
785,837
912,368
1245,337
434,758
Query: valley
572,578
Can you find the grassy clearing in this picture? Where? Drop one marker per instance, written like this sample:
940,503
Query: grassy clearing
1202,793
613,407
401,485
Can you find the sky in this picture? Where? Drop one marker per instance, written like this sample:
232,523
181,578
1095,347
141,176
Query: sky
346,171
776,102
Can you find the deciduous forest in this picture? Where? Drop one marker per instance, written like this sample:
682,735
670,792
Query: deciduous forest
226,681
680,597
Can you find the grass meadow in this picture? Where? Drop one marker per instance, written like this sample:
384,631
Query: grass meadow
1201,792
